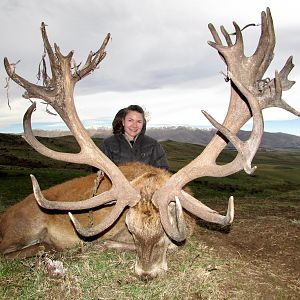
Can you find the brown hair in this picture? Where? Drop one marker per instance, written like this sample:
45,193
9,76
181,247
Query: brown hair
117,123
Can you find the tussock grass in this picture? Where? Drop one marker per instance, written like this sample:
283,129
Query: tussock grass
196,271
96,274
296,222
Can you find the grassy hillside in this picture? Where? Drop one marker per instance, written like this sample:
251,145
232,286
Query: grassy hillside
278,172
18,160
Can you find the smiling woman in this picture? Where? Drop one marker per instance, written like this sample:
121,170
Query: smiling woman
129,142
133,124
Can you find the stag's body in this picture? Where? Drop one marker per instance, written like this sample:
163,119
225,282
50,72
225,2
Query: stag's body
26,228
155,210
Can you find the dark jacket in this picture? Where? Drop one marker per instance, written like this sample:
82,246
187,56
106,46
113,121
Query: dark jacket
145,149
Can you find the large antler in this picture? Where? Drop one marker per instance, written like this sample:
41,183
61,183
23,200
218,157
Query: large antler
58,92
250,93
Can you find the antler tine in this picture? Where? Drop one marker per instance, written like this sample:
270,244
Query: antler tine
48,48
202,211
93,60
215,34
37,90
106,223
278,101
34,142
84,204
227,36
264,51
283,74
272,91
237,143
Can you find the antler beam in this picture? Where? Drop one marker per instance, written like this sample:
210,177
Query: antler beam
58,92
247,100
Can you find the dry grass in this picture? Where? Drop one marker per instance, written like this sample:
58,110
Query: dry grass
196,271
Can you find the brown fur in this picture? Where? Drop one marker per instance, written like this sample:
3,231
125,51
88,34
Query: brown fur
25,228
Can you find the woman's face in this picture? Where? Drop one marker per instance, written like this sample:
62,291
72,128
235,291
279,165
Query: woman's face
133,123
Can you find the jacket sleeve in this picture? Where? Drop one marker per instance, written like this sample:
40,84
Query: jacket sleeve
159,157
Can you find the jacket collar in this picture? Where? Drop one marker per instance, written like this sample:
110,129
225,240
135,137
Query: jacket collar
131,142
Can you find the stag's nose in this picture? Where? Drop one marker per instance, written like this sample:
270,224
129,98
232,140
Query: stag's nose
149,274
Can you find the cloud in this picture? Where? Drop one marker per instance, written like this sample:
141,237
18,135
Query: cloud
158,55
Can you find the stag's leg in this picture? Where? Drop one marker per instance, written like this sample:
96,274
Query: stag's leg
22,247
119,245
122,241
30,251
25,230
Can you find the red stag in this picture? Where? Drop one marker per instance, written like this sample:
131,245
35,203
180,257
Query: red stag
138,207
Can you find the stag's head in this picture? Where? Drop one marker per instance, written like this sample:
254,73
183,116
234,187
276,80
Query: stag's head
151,242
155,214
144,223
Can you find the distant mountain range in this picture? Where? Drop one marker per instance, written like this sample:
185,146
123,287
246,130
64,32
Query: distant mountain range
194,136
203,137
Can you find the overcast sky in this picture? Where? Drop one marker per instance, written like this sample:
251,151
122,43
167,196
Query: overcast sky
158,57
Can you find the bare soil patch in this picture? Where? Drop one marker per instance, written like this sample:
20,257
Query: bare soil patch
266,240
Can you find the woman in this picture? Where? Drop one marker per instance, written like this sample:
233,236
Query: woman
129,142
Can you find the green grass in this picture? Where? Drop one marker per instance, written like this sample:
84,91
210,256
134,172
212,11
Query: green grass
278,172
93,274
15,181
195,272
